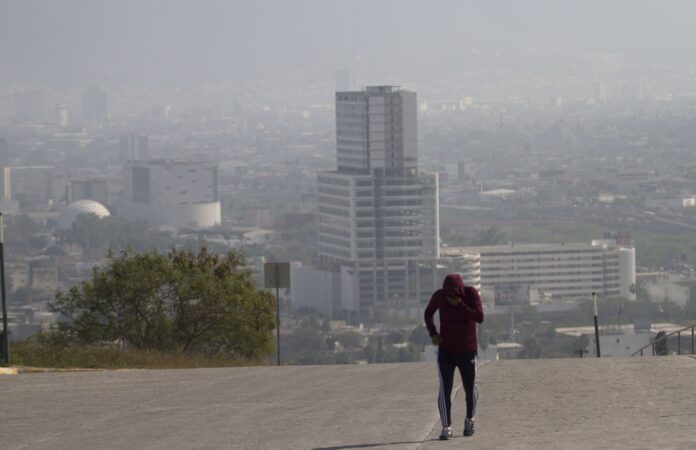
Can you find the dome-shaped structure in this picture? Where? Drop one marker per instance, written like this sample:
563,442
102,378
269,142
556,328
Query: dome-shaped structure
69,214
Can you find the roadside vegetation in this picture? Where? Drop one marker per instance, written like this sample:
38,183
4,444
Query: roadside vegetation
181,309
40,353
316,340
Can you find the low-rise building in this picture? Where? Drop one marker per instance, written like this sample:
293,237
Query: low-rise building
556,271
175,194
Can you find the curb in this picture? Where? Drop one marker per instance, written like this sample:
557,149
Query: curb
30,370
8,371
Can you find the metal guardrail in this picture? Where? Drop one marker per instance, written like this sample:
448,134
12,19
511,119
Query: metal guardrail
667,336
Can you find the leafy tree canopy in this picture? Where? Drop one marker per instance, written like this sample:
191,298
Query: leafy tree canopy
181,301
490,236
350,339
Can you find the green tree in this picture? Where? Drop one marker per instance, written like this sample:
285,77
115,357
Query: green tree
370,353
350,339
673,312
531,348
380,354
490,236
419,336
396,337
96,235
182,301
690,308
302,343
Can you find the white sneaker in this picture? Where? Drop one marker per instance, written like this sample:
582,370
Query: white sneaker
469,426
446,433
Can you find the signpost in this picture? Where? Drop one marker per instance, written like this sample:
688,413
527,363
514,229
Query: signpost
277,275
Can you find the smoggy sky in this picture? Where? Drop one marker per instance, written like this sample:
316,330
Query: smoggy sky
175,42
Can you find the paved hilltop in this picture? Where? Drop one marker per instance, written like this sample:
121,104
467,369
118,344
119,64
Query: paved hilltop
536,404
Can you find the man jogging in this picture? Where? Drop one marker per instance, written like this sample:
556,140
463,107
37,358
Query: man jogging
460,309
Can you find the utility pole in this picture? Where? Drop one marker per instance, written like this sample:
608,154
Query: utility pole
5,329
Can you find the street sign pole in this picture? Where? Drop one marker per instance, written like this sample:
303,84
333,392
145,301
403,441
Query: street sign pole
277,275
277,283
5,329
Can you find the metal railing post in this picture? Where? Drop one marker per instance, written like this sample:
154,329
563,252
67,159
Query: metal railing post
653,343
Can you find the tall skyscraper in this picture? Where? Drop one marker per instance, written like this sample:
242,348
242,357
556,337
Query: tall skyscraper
378,220
5,183
95,106
134,148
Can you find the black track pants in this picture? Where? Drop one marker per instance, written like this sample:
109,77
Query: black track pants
447,362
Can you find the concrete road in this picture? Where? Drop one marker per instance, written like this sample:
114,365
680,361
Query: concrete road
589,403
554,404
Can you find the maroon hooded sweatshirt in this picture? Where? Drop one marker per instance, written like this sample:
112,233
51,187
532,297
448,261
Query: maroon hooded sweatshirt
457,322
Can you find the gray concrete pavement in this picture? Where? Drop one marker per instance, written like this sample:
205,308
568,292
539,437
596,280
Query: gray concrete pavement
554,404
239,408
589,403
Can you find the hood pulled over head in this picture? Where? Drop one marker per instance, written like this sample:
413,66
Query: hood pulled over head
453,286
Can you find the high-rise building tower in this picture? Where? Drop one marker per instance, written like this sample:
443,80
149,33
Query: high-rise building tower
134,148
376,131
378,220
95,106
5,183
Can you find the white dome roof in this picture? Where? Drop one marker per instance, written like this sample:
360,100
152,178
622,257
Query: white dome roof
69,214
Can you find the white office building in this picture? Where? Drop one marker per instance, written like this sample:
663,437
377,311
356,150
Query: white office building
378,222
174,194
467,265
557,272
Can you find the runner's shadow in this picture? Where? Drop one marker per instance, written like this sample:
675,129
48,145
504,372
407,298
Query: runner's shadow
380,444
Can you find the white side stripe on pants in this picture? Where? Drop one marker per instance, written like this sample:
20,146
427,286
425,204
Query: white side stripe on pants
441,400
476,393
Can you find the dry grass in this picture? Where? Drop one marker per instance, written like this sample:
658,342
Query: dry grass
33,354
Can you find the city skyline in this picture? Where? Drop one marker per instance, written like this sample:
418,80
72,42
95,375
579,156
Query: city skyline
376,151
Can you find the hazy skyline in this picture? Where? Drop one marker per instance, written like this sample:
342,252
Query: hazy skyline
184,43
